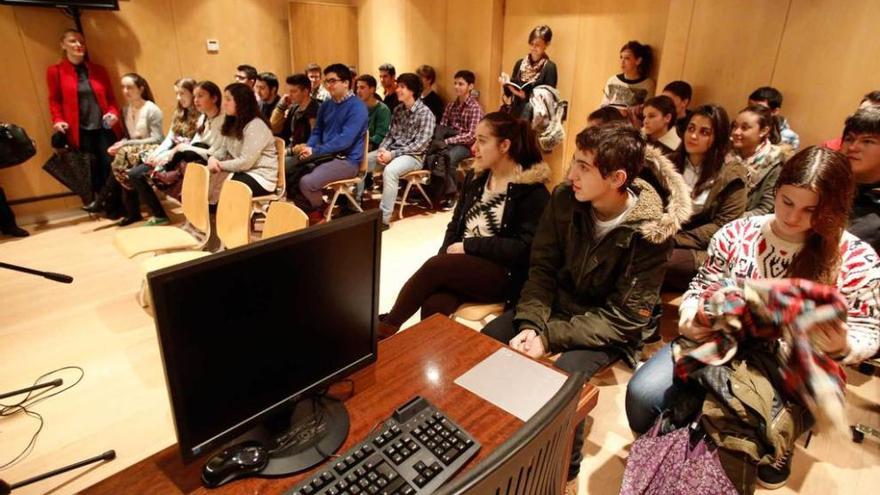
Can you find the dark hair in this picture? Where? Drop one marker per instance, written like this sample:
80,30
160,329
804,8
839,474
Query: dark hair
769,94
864,121
666,107
680,89
544,32
386,67
828,174
270,79
617,146
873,97
412,82
183,122
368,80
300,80
467,75
765,119
341,71
427,72
312,68
643,52
524,148
140,82
246,110
250,72
714,158
606,115
214,92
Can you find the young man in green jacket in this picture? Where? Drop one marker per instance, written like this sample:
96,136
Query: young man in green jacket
598,257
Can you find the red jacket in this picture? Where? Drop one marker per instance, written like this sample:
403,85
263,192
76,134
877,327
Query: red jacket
64,102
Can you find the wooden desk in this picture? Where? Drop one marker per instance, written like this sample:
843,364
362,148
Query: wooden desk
423,360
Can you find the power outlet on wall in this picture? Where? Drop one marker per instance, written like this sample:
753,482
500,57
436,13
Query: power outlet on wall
213,46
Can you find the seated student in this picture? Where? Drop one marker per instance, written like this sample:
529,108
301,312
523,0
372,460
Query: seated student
8,226
485,253
605,115
718,191
339,132
861,145
805,238
248,148
266,89
388,80
751,144
771,98
319,92
403,149
681,94
295,114
533,70
871,99
633,85
598,258
183,127
246,74
658,126
380,115
430,97
461,115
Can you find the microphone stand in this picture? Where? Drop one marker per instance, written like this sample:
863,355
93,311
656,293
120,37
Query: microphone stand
5,487
58,277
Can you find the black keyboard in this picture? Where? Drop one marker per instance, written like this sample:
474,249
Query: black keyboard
413,452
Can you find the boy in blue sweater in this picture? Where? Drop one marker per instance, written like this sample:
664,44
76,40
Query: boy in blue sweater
339,130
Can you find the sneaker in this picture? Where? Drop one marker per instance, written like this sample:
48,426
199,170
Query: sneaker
156,221
773,476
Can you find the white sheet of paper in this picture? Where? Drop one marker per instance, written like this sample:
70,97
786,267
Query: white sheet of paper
512,382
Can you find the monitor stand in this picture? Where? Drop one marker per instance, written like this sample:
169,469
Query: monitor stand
298,441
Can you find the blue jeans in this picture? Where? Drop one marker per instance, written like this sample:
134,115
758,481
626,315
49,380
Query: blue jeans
649,389
397,167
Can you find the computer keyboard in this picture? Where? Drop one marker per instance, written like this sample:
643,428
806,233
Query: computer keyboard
415,451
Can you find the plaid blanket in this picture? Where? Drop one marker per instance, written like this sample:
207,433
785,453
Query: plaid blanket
771,309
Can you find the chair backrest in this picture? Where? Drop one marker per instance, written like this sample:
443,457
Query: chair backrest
234,214
281,186
194,196
534,461
283,217
364,164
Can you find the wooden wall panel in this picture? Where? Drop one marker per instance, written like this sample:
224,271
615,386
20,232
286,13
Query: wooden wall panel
312,42
827,61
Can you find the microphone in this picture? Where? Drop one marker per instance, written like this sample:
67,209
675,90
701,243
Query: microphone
54,383
58,277
5,487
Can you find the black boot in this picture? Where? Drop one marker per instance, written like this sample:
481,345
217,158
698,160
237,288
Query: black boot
96,206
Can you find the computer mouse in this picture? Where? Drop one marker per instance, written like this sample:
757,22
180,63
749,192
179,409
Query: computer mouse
238,461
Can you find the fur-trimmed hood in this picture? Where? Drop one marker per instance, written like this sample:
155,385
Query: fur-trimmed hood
538,173
664,203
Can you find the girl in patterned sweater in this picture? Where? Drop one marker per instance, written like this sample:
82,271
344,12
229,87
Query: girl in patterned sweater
485,253
806,239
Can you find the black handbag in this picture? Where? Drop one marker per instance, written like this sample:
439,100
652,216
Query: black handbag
74,170
15,145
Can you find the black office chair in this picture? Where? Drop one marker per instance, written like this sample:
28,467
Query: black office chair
533,461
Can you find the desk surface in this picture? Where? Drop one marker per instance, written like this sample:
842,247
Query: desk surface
423,360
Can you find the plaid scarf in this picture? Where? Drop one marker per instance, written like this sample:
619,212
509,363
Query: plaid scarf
770,309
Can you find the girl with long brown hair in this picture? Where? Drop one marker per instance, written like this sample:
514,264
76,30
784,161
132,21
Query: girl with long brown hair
753,141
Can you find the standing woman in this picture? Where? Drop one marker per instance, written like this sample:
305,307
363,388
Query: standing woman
82,105
485,253
535,69
718,191
751,142
632,87
248,150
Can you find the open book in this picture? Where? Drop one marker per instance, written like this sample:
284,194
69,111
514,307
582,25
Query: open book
505,80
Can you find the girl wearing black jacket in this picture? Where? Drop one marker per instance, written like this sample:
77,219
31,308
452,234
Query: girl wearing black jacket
485,253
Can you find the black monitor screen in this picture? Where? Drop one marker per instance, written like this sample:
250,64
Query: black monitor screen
246,332
83,4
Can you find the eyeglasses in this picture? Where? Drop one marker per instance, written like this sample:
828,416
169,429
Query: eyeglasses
331,80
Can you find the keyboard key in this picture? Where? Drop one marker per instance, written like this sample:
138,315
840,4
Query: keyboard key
405,452
354,490
381,482
450,455
417,431
340,467
407,490
393,487
419,466
372,476
351,478
373,489
360,472
420,481
363,483
436,467
368,449
397,459
359,454
307,490
349,461
326,476
332,491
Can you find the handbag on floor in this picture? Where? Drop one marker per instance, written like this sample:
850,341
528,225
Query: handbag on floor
674,463
74,170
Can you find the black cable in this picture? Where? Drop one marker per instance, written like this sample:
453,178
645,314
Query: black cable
30,399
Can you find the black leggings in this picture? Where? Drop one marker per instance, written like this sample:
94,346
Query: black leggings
96,143
446,281
252,183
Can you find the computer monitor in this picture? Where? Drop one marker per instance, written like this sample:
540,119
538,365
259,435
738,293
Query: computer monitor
250,336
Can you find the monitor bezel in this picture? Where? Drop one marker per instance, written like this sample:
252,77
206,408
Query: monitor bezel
191,448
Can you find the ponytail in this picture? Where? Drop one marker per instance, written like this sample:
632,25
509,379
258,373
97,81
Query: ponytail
524,148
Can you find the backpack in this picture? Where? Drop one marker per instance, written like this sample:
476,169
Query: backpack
15,145
548,112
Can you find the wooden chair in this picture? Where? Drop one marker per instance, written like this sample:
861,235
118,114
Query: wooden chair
261,203
139,240
346,186
478,312
414,178
534,461
233,229
284,217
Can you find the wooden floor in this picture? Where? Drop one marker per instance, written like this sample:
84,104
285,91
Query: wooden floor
121,403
